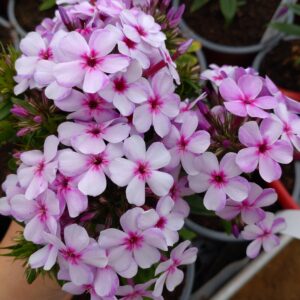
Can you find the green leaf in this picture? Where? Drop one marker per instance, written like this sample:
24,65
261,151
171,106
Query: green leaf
5,111
187,234
197,4
290,29
295,8
7,131
228,9
197,206
47,4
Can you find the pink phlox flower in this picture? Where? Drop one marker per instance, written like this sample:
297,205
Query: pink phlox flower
263,234
89,138
250,209
38,169
138,27
217,74
290,123
133,247
186,143
218,180
40,215
263,149
87,107
91,168
137,292
162,106
87,64
142,167
11,188
170,274
69,194
126,89
244,97
79,254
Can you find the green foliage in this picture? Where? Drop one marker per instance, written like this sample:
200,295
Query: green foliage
197,207
289,29
47,4
8,58
187,234
197,4
7,132
228,9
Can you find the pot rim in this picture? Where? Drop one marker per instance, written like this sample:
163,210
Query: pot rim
230,49
13,19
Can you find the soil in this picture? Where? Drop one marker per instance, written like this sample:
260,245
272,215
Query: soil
278,280
5,36
247,28
29,15
282,65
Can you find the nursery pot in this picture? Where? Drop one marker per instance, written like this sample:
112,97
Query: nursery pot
7,34
231,55
188,283
12,18
257,66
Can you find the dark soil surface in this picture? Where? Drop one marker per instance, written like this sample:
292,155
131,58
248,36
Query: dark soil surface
247,28
28,14
279,280
282,64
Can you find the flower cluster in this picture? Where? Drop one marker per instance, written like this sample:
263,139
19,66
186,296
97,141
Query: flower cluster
99,200
105,199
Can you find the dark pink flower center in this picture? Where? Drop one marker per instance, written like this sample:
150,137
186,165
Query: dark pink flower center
142,170
91,60
182,143
287,129
134,241
155,104
120,85
218,178
263,147
98,161
46,54
40,168
141,30
42,211
129,43
95,131
162,222
71,256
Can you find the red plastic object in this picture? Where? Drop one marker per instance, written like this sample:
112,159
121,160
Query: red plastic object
291,94
284,197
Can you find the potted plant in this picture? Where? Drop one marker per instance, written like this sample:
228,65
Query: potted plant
84,211
224,23
283,58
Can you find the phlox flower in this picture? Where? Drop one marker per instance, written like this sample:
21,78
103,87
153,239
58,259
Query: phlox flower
263,234
263,149
85,63
126,89
86,107
91,167
251,208
38,169
169,272
290,123
161,106
68,193
217,74
40,215
132,247
244,97
185,144
78,253
164,218
218,180
137,292
142,167
11,187
140,27
88,138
